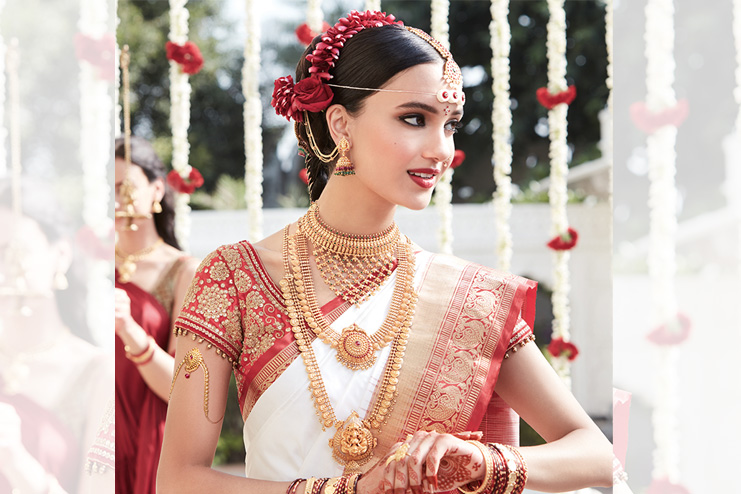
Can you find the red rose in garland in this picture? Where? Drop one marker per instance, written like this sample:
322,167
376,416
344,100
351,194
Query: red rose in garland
558,347
310,94
195,180
550,101
458,158
98,52
188,56
305,35
564,242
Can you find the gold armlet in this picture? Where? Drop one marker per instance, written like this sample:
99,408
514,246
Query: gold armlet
192,361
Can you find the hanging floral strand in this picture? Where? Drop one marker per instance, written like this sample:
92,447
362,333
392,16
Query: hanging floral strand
180,116
95,51
501,119
443,191
556,98
660,96
252,123
737,94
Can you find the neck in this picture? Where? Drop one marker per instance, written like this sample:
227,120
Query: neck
130,242
350,210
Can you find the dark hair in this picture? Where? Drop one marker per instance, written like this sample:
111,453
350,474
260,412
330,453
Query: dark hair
368,60
144,156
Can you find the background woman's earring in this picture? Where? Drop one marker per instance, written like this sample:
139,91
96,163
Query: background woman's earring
344,167
156,207
60,281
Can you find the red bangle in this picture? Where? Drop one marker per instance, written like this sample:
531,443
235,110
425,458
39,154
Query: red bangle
294,486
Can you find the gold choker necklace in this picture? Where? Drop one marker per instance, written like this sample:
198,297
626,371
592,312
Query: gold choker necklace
353,443
353,266
127,266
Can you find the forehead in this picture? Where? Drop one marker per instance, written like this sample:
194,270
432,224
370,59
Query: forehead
135,171
426,77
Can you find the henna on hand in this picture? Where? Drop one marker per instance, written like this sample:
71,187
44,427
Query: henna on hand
455,471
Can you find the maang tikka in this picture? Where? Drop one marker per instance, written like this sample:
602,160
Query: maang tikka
344,167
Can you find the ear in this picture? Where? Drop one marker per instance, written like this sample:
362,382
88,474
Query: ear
338,123
159,189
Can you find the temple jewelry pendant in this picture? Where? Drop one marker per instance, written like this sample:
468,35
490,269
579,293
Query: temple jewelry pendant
353,443
355,349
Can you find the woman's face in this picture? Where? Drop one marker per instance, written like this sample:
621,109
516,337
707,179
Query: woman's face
402,142
144,192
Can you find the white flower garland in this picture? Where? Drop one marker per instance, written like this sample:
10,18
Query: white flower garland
443,191
180,119
314,15
14,130
558,191
661,153
501,119
373,5
252,111
607,139
95,157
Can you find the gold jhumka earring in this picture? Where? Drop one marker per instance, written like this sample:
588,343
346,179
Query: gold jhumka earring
344,167
127,191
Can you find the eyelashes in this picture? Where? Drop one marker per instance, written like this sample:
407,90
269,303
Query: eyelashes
418,120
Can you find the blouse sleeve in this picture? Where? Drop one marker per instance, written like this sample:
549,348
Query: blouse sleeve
521,334
211,309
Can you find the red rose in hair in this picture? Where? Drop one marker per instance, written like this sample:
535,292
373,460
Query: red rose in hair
558,347
311,94
305,35
195,180
304,175
283,99
188,56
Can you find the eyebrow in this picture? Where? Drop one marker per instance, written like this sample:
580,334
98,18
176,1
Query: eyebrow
428,108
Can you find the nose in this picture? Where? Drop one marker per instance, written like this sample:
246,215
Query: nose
439,146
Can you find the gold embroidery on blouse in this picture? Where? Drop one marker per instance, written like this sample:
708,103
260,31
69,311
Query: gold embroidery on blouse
213,302
219,271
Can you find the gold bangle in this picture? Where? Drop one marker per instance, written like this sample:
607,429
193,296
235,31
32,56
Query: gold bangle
485,485
144,355
513,469
309,485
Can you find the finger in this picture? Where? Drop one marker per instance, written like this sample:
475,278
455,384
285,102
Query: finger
416,465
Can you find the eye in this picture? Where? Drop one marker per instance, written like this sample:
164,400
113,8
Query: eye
453,126
413,120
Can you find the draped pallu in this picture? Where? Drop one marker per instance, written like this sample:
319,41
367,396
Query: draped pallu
467,317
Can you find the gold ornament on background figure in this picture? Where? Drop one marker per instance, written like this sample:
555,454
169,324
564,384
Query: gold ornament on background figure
353,443
126,190
344,167
156,206
127,262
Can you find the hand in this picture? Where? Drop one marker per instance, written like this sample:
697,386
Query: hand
10,433
126,327
433,462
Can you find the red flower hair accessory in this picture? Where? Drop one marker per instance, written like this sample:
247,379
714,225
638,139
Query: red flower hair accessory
188,56
304,175
458,158
305,35
558,347
177,182
564,242
311,93
551,100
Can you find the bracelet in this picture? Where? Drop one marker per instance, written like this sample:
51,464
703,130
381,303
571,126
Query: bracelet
336,485
486,484
318,485
522,478
515,480
500,480
352,483
143,357
294,486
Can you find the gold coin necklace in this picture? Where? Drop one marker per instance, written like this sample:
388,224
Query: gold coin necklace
353,442
353,266
355,349
127,266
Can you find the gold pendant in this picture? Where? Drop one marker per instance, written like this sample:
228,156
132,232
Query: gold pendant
353,443
355,349
125,270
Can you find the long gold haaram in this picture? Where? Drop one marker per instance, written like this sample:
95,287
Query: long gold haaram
353,443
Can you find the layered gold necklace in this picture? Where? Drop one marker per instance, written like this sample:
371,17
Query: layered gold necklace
353,443
127,262
353,266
